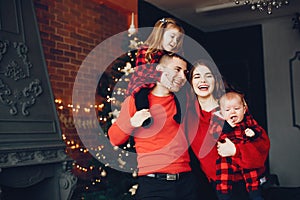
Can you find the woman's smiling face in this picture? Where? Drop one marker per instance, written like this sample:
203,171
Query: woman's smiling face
203,81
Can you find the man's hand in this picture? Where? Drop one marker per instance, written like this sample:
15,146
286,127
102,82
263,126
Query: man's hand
249,132
139,117
227,148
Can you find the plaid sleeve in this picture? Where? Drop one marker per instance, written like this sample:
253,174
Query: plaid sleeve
212,136
145,74
221,129
254,154
216,127
252,124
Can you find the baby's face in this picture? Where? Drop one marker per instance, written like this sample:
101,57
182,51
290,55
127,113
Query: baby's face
233,109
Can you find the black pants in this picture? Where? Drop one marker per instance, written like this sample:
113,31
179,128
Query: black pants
156,189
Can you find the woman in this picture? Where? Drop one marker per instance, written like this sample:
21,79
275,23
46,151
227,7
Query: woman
208,86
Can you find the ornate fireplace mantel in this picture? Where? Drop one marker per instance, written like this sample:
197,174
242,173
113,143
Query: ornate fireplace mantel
33,163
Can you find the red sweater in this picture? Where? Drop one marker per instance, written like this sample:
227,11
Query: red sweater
249,155
161,148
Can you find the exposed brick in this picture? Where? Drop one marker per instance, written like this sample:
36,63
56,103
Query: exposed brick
69,54
48,43
57,38
57,24
70,30
70,41
56,77
63,32
70,67
56,51
63,71
76,49
44,34
69,79
56,64
62,84
62,46
76,62
63,59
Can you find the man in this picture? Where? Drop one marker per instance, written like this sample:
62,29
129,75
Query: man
162,149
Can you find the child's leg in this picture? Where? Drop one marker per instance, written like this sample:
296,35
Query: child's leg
181,101
252,183
177,116
224,177
142,102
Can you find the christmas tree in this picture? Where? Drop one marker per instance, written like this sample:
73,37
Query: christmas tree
96,178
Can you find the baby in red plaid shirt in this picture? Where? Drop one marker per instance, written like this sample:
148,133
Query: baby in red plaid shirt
240,128
166,37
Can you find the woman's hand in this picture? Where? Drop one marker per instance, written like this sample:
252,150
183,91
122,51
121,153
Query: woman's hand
226,149
139,117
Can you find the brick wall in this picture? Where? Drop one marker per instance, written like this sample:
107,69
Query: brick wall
70,30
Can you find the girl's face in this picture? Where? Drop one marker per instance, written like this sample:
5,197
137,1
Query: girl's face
203,81
170,39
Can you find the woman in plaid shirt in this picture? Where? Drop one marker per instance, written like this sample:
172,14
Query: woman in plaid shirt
166,36
208,86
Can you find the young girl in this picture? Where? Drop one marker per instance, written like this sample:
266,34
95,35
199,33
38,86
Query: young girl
167,35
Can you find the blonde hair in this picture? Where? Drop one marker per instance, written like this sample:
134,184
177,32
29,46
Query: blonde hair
156,36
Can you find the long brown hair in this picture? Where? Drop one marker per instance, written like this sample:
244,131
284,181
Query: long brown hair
156,36
219,85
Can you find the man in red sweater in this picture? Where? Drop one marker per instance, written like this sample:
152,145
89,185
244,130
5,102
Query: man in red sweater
162,149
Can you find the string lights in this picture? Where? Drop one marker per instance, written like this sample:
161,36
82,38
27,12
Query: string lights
91,165
82,165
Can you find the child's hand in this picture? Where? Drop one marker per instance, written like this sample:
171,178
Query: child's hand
231,123
167,76
249,132
139,117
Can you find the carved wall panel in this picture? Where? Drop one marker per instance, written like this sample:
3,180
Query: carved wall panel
26,100
295,88
31,147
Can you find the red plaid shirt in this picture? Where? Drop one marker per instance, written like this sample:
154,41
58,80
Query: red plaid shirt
145,74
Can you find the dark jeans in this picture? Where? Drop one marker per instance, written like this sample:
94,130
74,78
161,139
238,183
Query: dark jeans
156,189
